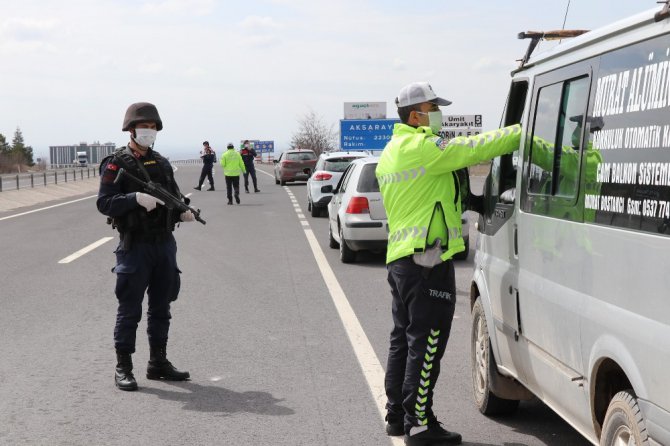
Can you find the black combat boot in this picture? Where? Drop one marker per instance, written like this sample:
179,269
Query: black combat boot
433,434
123,377
160,368
394,425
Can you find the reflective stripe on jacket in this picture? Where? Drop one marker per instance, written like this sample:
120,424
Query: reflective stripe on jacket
232,163
419,187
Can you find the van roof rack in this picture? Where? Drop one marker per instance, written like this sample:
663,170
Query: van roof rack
536,36
664,13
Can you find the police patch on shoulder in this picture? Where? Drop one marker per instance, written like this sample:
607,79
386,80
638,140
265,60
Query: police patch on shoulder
439,142
112,166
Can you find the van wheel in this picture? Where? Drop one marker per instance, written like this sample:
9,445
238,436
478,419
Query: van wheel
347,255
282,183
315,211
276,180
483,365
623,422
331,240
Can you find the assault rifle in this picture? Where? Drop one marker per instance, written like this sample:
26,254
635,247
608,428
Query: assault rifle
158,191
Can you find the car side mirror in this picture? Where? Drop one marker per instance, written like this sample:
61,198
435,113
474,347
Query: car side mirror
275,161
328,189
508,196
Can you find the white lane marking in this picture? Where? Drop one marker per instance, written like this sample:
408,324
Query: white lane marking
85,250
304,223
367,359
48,207
300,215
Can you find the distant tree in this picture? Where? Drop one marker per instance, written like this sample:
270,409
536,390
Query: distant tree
4,147
314,134
20,153
5,162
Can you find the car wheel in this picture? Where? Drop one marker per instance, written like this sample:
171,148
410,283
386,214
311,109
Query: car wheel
276,179
315,211
347,255
309,205
624,423
463,255
331,240
483,365
282,183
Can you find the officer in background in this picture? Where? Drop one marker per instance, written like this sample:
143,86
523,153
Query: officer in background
208,158
146,258
248,156
422,197
233,167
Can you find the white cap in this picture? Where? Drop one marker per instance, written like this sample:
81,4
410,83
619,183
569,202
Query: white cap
417,93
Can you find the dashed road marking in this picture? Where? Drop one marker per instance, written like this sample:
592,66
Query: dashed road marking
85,250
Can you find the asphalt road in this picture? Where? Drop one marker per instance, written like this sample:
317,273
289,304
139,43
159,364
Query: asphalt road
270,359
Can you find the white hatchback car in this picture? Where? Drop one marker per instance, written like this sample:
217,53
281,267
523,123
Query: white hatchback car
356,215
329,169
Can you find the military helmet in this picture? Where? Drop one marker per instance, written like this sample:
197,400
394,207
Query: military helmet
141,112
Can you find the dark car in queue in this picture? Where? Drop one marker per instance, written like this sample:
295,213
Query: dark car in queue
294,165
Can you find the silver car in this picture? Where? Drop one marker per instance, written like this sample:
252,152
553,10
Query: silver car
328,171
356,215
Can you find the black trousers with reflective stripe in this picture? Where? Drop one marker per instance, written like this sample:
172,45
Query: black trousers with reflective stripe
423,309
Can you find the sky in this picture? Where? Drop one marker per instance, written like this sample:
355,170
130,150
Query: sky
224,71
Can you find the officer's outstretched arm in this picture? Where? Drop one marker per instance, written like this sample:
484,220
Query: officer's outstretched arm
467,151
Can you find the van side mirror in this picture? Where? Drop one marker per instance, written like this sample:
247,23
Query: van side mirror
508,196
328,189
275,161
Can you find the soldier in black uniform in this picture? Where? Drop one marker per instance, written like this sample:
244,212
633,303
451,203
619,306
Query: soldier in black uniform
208,158
248,156
146,258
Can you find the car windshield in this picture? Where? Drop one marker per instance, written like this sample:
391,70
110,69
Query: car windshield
368,181
337,164
300,156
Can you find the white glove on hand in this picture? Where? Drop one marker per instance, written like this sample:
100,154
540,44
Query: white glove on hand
431,256
187,216
147,201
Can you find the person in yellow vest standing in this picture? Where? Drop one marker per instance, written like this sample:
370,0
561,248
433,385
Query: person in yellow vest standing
417,174
233,167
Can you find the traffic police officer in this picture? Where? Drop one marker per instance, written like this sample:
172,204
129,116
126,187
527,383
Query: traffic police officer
233,167
146,258
418,179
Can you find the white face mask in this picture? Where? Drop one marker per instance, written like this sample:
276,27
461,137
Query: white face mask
145,137
434,120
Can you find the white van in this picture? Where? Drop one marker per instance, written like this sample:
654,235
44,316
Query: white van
571,290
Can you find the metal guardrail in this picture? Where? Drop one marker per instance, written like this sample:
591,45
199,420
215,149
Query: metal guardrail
44,178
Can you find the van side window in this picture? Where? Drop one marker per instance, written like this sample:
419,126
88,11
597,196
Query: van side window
555,150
